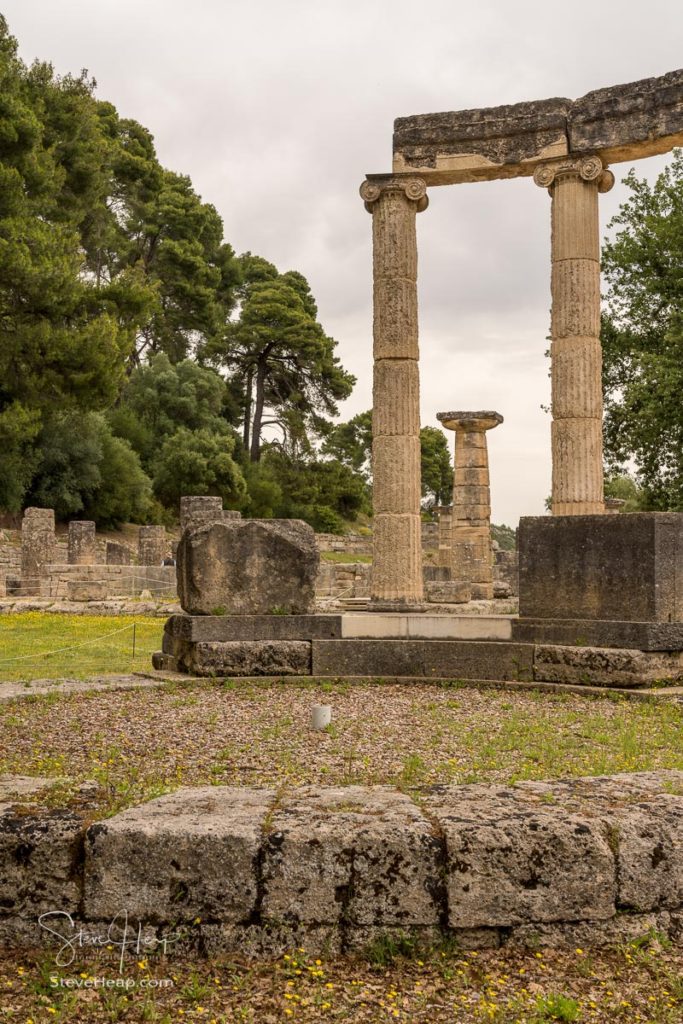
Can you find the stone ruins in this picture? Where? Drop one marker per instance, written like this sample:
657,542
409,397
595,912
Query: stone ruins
566,146
581,862
470,520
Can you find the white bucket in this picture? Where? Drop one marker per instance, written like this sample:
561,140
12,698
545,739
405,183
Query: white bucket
321,716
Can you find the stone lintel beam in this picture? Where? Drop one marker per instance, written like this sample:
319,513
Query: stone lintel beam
618,123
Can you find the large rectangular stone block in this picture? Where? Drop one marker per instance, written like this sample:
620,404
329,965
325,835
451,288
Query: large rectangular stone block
249,658
353,857
189,854
220,628
621,567
512,859
459,659
634,636
40,861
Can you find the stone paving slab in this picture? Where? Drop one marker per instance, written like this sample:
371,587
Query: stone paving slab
40,687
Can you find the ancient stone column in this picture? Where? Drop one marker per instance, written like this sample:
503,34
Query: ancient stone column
38,545
394,201
472,551
82,543
576,355
152,545
196,510
445,520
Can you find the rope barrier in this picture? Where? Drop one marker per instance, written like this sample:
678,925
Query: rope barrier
73,647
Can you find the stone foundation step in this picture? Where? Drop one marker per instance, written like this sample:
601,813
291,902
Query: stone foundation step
442,659
251,871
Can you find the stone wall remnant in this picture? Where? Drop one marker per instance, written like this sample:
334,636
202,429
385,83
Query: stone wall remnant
153,545
118,554
82,543
555,863
37,547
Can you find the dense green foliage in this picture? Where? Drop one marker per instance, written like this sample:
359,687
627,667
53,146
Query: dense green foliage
140,359
642,338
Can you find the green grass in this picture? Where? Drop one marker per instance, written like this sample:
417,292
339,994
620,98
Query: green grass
344,557
31,645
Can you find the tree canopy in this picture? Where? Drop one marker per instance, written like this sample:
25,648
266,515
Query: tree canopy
642,338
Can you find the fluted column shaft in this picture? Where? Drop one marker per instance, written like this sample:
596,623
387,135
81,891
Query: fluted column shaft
576,355
471,547
397,541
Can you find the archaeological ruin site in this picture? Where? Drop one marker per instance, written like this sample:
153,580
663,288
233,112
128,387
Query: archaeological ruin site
591,601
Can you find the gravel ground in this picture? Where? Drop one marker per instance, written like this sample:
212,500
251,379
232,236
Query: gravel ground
139,743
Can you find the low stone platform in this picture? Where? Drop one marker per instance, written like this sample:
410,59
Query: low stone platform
641,636
224,869
381,645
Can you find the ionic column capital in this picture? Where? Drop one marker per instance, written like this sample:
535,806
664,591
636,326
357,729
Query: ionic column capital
412,187
588,168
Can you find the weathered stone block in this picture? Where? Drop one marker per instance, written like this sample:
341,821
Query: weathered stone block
153,545
86,590
649,840
625,567
198,510
220,628
40,861
118,554
248,658
459,659
448,592
352,856
257,566
627,122
635,636
604,666
510,861
82,543
190,854
477,145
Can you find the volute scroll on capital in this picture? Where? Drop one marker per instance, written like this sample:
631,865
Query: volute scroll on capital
414,189
589,168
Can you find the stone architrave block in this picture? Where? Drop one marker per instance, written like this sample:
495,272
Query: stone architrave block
189,854
511,860
626,567
40,860
252,567
621,122
351,856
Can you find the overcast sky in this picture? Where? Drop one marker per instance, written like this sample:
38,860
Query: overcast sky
277,109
